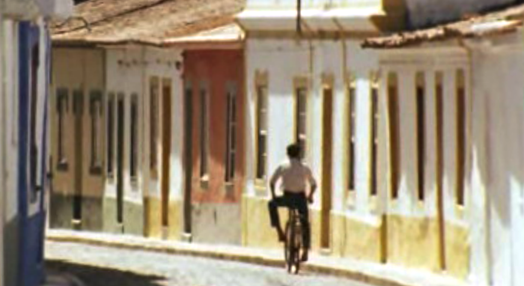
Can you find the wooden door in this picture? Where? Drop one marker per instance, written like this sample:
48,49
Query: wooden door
120,127
188,156
166,149
327,140
439,125
78,110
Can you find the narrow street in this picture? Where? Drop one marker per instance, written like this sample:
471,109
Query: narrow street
102,266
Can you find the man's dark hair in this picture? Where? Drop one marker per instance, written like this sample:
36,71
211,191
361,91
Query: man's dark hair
293,151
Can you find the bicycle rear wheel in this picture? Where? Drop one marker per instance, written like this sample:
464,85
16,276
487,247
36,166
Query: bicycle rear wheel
297,245
290,250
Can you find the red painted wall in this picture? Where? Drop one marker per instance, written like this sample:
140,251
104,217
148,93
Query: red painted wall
217,68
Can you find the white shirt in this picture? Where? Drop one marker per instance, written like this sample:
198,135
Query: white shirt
294,175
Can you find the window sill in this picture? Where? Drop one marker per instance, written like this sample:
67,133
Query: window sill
62,166
204,183
459,211
134,181
351,198
373,203
229,189
153,174
95,170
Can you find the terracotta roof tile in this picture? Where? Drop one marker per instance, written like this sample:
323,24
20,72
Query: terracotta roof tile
498,22
144,21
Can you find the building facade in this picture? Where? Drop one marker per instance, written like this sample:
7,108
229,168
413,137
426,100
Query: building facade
24,77
108,102
214,98
463,92
120,121
383,196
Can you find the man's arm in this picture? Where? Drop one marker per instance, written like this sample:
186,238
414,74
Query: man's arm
274,178
313,186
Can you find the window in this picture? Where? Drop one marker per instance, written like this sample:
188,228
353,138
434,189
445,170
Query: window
352,140
134,136
439,114
62,107
262,105
204,130
154,89
461,135
231,133
301,117
374,136
110,126
394,134
421,134
35,115
95,111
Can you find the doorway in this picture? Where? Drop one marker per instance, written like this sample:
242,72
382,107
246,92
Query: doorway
120,160
327,135
166,149
439,125
188,158
78,106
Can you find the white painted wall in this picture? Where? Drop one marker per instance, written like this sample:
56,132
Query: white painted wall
128,71
499,69
9,154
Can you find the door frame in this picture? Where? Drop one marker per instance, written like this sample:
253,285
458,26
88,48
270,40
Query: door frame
119,162
188,158
166,150
78,111
327,162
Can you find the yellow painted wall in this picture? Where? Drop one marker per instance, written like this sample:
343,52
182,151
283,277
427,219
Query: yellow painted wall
413,242
355,239
175,219
458,251
153,218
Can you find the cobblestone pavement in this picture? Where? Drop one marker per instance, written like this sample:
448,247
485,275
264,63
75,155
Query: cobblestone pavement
102,266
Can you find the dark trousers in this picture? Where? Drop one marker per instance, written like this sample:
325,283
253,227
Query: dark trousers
292,200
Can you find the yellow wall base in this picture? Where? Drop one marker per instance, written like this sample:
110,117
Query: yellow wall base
355,239
153,218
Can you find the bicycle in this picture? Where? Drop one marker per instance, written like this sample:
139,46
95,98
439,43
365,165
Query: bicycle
293,243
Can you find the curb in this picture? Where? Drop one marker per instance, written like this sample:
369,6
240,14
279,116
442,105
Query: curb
237,257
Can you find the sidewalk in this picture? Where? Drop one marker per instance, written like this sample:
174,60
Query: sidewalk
61,279
373,273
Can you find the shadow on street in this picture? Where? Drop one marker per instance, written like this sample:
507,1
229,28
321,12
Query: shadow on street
97,276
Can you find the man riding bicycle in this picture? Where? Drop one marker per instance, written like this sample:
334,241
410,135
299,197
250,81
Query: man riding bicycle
293,174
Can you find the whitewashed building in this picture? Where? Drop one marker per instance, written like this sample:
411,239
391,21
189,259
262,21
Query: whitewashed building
319,88
393,169
24,78
454,95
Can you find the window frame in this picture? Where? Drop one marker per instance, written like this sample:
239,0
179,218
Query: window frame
110,134
394,135
96,111
351,137
461,136
134,124
420,113
301,84
154,125
62,109
374,113
231,132
204,115
261,159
